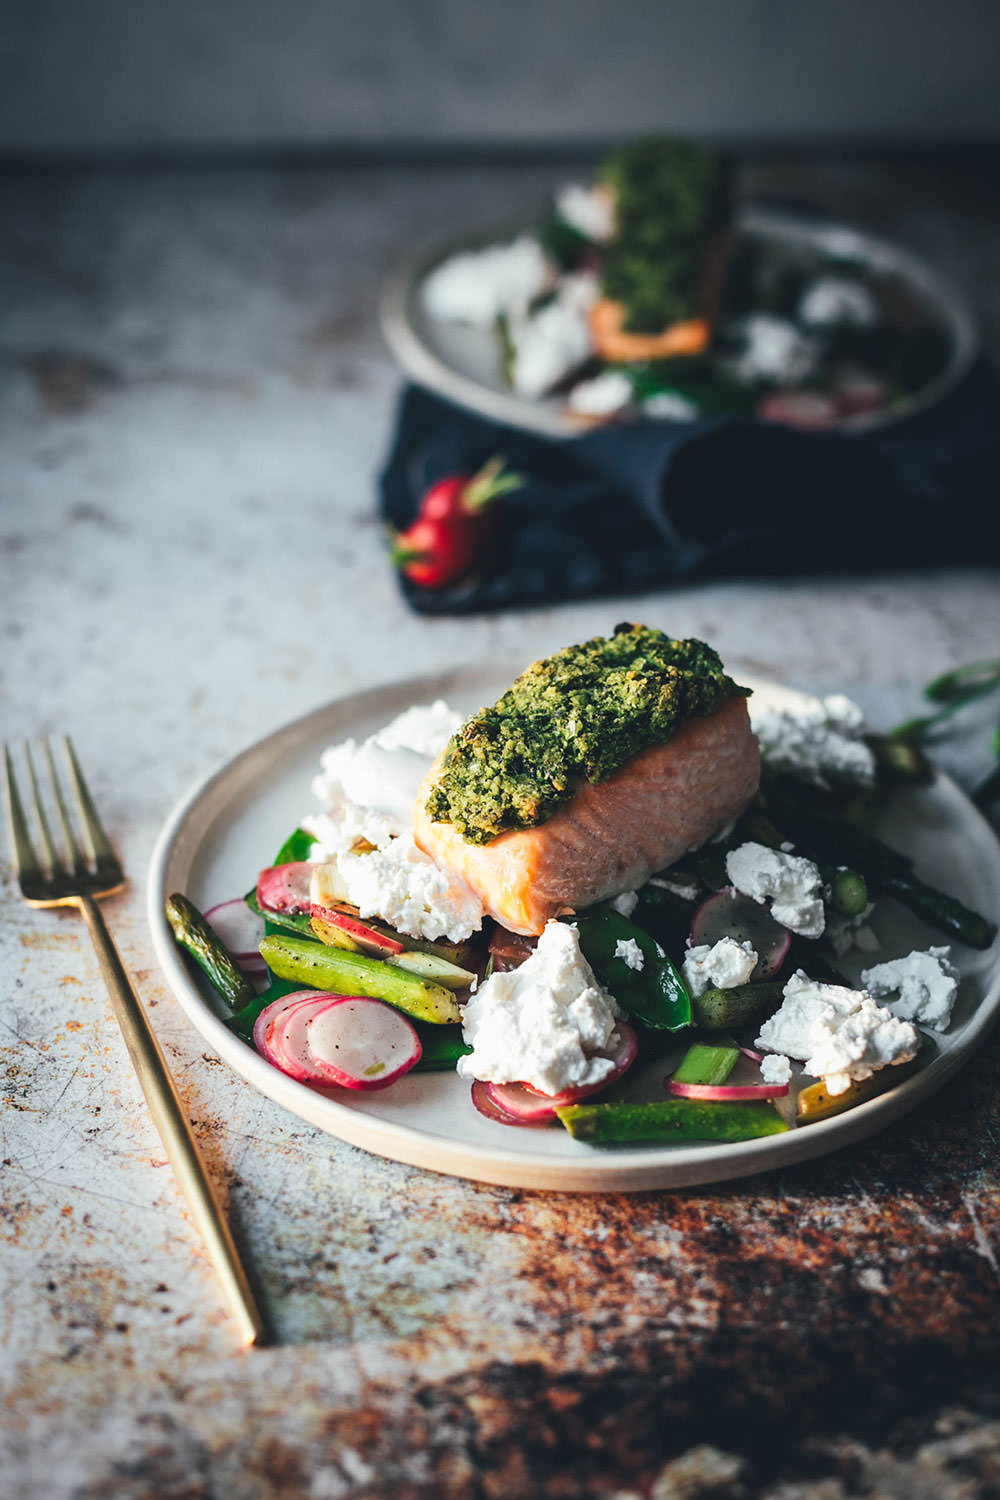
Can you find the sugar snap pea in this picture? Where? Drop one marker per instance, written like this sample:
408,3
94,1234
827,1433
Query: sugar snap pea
653,993
671,1120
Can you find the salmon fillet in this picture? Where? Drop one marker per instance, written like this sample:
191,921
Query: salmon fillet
613,835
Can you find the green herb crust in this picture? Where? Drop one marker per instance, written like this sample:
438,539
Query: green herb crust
574,716
672,202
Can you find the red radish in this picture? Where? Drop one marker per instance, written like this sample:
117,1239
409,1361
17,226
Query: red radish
288,1039
622,1055
809,410
726,1090
450,532
483,1101
522,1105
285,887
348,1040
529,1106
361,1043
264,1024
726,913
240,930
757,1057
366,937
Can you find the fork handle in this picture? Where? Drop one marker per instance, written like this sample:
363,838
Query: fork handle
173,1126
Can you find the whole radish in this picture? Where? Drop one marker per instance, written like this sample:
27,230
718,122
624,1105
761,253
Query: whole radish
452,529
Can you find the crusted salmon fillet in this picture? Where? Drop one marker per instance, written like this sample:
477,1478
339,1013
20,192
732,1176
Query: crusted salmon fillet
613,834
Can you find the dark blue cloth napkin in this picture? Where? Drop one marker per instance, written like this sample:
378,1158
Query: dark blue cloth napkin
625,509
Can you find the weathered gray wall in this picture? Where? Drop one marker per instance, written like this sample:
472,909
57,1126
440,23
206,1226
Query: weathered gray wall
82,74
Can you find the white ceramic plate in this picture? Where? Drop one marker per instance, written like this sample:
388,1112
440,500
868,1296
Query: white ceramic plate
463,364
231,825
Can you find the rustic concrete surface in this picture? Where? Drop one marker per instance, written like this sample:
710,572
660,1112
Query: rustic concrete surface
193,405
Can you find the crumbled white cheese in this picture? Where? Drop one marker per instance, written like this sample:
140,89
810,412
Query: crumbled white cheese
607,393
670,406
555,340
403,886
364,834
629,950
687,890
819,739
368,790
545,1023
792,884
775,1069
845,933
921,987
478,285
839,1035
773,350
721,965
833,301
625,903
424,728
588,210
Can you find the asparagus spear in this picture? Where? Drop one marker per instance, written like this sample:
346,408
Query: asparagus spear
195,936
334,969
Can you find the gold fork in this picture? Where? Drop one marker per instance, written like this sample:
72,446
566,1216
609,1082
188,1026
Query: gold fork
80,879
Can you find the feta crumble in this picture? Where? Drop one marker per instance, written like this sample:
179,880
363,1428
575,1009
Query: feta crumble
607,393
670,406
846,933
625,903
721,965
555,340
833,301
687,890
478,285
588,210
546,1023
364,839
629,950
838,1034
773,350
818,740
921,987
775,1068
791,883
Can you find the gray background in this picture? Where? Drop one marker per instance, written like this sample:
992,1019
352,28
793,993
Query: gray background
84,75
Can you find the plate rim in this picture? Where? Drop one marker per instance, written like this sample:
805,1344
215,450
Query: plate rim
550,419
631,1169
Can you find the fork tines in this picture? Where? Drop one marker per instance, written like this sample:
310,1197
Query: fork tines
84,864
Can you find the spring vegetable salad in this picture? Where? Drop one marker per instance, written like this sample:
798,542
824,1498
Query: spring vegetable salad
640,296
356,958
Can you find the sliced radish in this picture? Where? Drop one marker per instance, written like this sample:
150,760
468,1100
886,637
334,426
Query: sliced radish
483,1101
529,1106
264,1024
757,1057
622,1055
288,1039
285,887
810,410
726,913
366,938
361,1043
728,1091
241,931
521,1105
